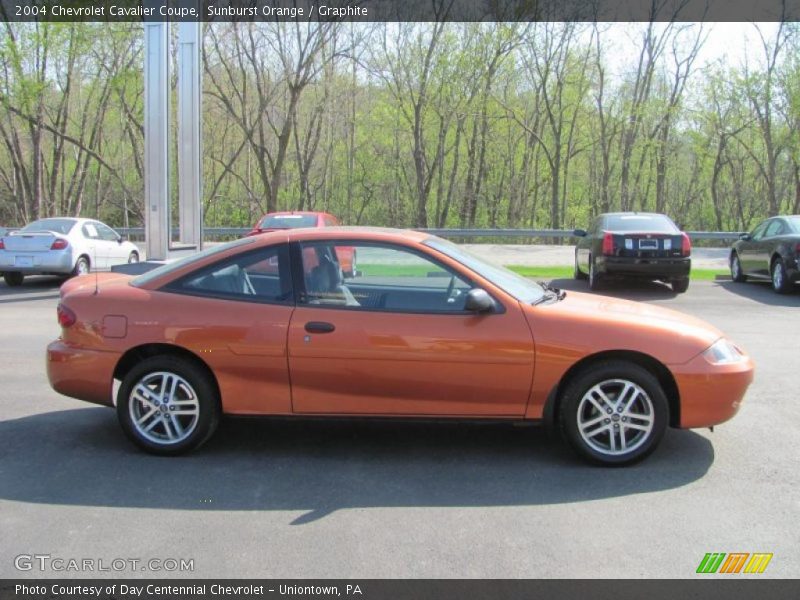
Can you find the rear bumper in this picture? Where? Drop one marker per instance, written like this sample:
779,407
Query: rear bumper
80,373
34,263
711,394
653,268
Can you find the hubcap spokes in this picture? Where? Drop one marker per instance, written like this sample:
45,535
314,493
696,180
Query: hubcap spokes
615,417
777,275
164,408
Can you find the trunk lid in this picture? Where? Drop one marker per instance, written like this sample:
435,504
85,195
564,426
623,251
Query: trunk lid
647,245
29,242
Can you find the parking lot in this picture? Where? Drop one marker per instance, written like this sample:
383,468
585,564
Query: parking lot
277,498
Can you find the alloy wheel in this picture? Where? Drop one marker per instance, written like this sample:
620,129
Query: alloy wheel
164,408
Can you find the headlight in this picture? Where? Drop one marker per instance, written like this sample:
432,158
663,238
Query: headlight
723,352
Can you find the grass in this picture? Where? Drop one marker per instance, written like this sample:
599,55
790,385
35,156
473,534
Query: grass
566,272
549,272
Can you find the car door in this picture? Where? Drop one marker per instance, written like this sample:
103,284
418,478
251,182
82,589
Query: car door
762,249
397,341
749,249
585,244
94,247
115,252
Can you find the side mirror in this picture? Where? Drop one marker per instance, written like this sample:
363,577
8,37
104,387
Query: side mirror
746,237
120,239
478,301
579,233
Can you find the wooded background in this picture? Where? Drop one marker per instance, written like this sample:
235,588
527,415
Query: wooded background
413,125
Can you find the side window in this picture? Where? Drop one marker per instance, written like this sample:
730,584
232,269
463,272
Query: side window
258,276
106,233
330,222
90,231
775,228
758,232
390,278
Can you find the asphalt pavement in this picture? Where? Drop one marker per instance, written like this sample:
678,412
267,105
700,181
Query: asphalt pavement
277,498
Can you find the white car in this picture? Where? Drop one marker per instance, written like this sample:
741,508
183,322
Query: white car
62,246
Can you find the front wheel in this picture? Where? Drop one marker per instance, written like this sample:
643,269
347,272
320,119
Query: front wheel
780,282
736,269
167,405
614,413
14,278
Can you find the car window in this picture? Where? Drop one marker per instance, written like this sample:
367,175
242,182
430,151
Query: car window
758,232
774,228
387,277
330,222
90,231
106,233
793,224
641,222
62,226
258,276
288,221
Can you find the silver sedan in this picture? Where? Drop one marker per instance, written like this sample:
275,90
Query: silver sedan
62,246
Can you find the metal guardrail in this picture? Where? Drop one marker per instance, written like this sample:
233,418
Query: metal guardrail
222,232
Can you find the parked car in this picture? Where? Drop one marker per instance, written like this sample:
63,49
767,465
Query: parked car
62,246
770,252
428,330
301,219
633,245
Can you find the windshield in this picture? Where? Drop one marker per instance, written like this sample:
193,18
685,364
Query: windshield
188,260
521,288
794,223
61,226
653,223
288,221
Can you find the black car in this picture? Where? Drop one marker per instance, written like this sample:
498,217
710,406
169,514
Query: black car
770,252
636,245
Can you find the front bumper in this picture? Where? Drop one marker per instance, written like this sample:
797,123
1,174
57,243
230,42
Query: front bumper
711,394
652,268
80,373
37,263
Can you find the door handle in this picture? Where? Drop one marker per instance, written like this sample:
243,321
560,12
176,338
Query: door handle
319,327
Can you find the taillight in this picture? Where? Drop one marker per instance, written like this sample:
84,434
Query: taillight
796,247
66,318
2,245
59,244
608,244
686,245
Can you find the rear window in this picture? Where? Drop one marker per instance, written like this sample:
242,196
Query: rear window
288,221
794,223
61,226
649,223
188,260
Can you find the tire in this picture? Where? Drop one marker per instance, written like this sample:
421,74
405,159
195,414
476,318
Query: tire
780,282
577,273
641,423
679,286
82,266
14,278
133,257
736,269
169,431
595,279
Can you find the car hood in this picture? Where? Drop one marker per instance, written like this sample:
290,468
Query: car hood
589,323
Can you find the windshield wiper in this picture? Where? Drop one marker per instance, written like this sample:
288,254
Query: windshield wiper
551,293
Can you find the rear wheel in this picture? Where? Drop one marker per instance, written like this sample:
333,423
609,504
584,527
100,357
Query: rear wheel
736,269
679,286
13,279
614,413
168,405
595,278
780,282
82,267
577,273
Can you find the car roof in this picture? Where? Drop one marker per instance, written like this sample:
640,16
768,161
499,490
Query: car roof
282,213
354,233
632,213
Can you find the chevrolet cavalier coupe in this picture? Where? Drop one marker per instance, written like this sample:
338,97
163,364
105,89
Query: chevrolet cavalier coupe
423,330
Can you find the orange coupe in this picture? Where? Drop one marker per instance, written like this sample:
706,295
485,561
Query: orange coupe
424,329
